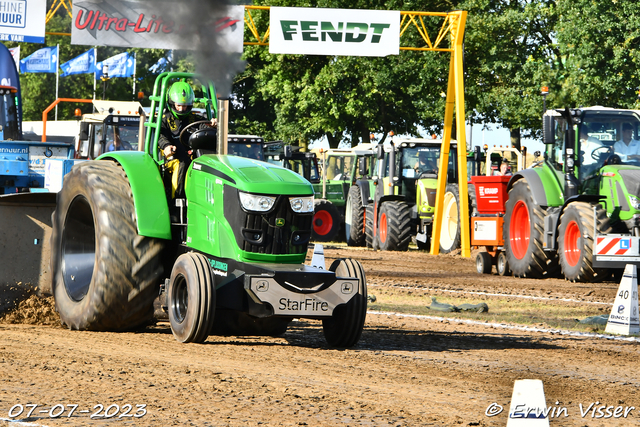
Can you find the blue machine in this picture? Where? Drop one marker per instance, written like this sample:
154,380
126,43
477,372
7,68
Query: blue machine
22,163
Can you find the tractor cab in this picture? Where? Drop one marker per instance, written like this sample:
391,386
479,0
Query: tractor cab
602,137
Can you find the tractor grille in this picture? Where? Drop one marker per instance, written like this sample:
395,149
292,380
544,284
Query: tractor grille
259,233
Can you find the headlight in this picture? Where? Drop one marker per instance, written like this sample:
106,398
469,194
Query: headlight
256,202
635,202
301,204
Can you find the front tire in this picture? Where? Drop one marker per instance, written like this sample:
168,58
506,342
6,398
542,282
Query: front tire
326,221
354,218
191,298
450,231
105,275
523,233
369,232
502,265
576,241
394,226
344,328
484,263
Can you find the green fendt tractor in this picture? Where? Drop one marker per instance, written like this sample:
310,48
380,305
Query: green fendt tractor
403,202
579,209
333,205
230,260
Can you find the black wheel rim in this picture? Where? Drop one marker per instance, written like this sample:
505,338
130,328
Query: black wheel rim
78,248
180,299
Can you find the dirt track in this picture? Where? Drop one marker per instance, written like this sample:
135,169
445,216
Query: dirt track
406,371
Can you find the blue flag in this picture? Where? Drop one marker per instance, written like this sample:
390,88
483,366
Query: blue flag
81,64
159,67
121,65
44,60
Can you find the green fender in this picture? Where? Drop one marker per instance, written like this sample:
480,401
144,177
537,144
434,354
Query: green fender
546,185
152,210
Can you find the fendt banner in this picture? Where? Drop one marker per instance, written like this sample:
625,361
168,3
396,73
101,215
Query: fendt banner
22,20
157,25
317,31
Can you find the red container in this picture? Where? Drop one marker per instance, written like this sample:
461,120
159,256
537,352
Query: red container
491,193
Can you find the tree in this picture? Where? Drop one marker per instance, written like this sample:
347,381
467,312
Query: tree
508,46
342,98
600,56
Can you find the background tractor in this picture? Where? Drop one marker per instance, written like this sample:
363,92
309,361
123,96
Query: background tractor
229,261
340,170
578,210
403,202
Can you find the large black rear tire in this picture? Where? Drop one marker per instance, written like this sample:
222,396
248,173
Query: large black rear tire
576,241
326,221
354,218
344,328
523,233
191,298
105,275
394,226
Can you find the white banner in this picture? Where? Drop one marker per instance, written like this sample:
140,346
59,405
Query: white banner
158,25
22,20
346,32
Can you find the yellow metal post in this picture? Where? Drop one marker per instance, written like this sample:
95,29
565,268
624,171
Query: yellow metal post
455,97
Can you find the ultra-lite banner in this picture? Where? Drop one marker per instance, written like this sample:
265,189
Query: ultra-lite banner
22,20
158,24
317,31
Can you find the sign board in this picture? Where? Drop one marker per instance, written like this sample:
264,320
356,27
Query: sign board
157,25
344,32
22,20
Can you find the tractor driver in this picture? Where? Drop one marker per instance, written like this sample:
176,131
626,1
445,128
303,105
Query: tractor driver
176,117
425,164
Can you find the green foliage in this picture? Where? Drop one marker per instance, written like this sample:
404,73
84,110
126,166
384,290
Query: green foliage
585,51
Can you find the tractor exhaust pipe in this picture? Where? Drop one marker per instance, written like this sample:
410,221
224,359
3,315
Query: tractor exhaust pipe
223,125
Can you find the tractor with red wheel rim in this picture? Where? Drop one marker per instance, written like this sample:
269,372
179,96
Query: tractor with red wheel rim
578,211
402,206
336,207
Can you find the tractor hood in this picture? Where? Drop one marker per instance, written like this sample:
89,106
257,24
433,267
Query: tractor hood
631,177
252,176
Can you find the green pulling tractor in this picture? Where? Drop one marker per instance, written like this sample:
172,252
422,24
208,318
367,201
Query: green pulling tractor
231,259
402,202
578,210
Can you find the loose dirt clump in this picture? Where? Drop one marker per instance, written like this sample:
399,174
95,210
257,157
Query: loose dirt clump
34,310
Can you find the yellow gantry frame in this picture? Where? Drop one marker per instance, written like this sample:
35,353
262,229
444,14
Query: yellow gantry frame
451,30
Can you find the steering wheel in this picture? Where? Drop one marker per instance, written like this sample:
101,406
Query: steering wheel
191,132
613,159
427,173
595,154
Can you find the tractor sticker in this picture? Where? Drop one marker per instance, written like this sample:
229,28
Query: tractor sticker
39,154
219,268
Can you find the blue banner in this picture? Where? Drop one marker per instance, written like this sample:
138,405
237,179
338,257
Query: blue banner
81,64
159,67
9,77
44,60
122,65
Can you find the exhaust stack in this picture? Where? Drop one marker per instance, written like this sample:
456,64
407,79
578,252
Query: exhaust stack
223,125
